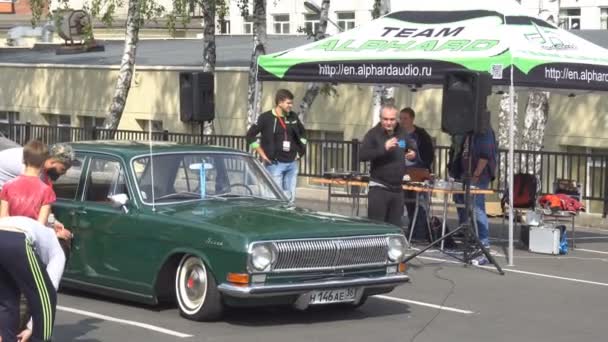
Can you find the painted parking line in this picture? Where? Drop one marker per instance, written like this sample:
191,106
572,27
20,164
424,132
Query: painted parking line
541,275
123,321
428,305
590,250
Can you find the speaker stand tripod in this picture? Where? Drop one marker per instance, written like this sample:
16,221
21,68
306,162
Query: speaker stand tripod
466,227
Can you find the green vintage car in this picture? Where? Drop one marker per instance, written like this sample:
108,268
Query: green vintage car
145,230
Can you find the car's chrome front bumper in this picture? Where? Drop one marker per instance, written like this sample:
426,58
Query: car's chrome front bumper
260,291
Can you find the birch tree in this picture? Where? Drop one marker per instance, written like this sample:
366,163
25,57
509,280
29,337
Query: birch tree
260,39
502,137
533,134
381,94
537,107
137,12
127,65
209,48
313,88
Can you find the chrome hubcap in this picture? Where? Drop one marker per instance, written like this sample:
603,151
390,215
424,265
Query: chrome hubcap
192,284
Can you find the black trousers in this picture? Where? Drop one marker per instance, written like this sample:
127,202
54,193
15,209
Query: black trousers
21,271
385,205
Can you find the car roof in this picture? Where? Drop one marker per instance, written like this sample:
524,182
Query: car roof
130,148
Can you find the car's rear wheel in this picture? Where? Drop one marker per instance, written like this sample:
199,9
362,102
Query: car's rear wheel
196,290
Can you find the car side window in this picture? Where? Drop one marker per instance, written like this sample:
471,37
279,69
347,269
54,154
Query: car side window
66,186
105,177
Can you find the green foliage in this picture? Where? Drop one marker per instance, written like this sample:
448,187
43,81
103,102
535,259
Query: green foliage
180,15
376,9
309,33
37,8
329,89
243,6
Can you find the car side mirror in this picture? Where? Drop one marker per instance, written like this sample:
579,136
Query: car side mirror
120,201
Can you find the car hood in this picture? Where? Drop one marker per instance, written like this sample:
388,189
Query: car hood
269,220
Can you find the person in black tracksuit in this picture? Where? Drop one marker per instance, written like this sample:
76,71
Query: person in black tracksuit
383,146
283,142
32,263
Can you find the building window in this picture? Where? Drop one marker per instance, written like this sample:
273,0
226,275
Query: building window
281,24
60,129
157,125
248,25
196,11
9,117
346,20
604,18
311,23
570,18
92,121
7,125
224,27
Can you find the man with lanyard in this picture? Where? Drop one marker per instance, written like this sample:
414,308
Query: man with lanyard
31,263
420,141
384,146
282,142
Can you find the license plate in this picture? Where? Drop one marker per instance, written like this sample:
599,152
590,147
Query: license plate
333,296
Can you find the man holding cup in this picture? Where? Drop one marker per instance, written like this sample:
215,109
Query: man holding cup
385,147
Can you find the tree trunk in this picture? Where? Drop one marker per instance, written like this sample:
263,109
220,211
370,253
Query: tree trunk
503,128
312,90
381,94
254,91
533,135
209,54
127,65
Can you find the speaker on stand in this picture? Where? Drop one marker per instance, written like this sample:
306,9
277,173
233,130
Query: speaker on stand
464,106
197,97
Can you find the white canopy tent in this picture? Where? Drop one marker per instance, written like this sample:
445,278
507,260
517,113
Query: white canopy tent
420,45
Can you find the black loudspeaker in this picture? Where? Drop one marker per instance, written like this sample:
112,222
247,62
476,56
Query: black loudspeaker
464,106
196,96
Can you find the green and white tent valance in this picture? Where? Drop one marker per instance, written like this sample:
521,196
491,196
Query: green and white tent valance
419,46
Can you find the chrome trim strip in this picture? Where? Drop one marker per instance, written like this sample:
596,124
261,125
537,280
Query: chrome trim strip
253,291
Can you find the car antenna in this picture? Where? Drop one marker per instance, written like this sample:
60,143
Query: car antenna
151,165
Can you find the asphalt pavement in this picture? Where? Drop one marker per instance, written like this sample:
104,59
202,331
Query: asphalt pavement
540,298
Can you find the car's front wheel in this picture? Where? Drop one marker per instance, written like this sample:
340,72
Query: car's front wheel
196,290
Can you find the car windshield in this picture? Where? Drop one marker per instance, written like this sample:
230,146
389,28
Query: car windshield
177,177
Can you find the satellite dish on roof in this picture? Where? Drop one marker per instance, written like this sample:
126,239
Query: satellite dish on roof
74,25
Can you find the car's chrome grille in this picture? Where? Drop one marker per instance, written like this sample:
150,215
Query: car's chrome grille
321,254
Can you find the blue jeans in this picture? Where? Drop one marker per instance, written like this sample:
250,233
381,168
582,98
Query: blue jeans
480,212
286,176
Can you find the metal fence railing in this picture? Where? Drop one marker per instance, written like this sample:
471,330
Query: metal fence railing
590,170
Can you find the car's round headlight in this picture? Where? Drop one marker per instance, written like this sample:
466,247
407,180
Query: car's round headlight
396,248
261,257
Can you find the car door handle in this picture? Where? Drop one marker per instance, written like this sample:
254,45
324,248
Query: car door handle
78,211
